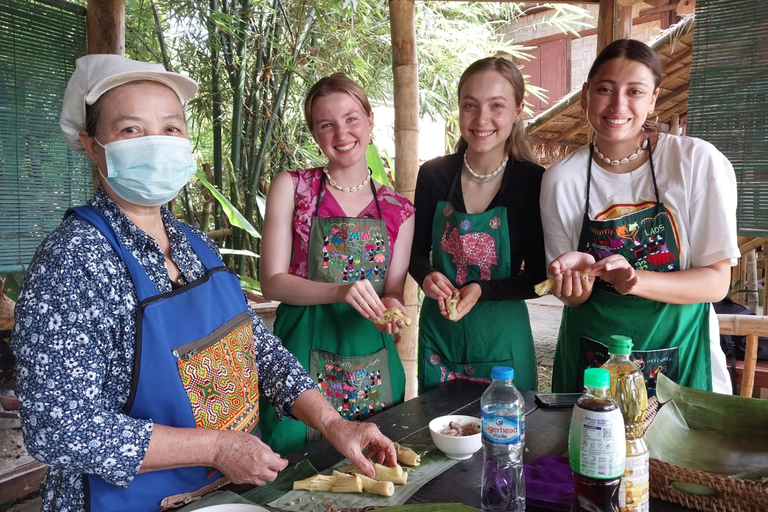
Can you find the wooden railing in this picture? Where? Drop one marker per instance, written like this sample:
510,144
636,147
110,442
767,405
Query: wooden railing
751,327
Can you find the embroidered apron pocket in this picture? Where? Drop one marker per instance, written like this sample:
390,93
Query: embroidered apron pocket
593,354
219,374
357,386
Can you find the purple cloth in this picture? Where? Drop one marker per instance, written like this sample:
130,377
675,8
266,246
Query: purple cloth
548,483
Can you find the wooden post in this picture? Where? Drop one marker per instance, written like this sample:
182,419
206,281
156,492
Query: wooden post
105,26
406,93
105,32
614,22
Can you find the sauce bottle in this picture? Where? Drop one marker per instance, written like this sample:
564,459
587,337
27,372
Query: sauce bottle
596,446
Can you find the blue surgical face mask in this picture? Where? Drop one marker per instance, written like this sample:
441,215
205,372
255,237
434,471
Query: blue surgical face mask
148,171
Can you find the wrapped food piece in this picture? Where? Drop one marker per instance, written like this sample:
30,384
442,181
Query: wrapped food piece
451,304
546,285
395,475
389,314
406,455
333,483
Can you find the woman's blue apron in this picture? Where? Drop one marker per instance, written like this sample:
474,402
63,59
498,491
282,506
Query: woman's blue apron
194,367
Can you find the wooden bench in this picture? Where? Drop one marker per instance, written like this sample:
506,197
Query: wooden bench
749,372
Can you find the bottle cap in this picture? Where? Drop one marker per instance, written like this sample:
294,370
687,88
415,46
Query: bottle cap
597,378
621,345
502,373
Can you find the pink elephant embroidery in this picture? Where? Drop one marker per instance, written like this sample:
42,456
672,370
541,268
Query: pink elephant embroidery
477,249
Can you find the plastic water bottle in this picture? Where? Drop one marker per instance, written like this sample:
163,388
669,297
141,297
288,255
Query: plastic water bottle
503,424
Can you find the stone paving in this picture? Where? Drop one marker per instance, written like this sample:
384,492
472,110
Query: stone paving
545,315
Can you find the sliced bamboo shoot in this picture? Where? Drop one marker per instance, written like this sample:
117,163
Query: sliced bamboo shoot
347,483
380,487
315,483
395,475
407,456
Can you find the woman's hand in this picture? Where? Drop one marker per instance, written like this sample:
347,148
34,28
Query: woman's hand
438,287
361,296
571,286
245,459
616,270
350,438
393,326
470,294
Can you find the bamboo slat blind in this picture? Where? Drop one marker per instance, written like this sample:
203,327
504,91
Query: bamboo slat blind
40,177
728,98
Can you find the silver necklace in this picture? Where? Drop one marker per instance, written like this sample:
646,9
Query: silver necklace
625,160
484,178
347,189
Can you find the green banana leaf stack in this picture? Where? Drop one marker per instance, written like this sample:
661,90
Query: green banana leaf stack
717,446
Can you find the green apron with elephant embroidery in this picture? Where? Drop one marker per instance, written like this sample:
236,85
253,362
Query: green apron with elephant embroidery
667,338
467,247
356,367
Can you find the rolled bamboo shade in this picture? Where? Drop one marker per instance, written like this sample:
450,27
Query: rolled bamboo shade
728,97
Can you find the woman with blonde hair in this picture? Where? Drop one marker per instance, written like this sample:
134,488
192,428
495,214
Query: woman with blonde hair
478,237
336,246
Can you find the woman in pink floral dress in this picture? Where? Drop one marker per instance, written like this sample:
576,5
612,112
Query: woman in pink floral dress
336,246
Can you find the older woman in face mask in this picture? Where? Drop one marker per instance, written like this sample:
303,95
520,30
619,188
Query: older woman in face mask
140,365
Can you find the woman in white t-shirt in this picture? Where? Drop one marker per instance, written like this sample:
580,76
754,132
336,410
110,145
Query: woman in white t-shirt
651,218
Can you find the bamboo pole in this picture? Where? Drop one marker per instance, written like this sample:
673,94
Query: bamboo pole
751,327
406,94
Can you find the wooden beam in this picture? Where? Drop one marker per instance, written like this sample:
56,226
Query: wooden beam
614,21
752,244
405,69
582,33
659,10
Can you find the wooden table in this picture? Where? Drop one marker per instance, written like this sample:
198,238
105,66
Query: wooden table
546,432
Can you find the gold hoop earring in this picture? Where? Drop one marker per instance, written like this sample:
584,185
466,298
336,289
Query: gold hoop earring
583,117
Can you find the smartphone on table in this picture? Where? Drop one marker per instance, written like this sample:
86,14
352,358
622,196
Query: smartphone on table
557,400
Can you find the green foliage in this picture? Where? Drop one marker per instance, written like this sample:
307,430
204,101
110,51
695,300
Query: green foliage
255,59
10,286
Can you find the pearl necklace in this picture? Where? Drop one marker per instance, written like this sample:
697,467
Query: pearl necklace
628,159
485,178
347,189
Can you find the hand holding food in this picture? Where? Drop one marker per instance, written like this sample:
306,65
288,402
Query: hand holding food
389,315
395,474
451,304
546,285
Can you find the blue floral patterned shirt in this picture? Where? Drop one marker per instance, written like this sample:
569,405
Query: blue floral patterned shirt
74,344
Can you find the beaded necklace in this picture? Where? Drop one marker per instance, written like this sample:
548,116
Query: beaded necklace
484,178
332,183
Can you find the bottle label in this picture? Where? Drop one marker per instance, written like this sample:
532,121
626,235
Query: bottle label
504,429
635,489
596,444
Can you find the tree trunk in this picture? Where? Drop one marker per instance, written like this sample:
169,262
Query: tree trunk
405,70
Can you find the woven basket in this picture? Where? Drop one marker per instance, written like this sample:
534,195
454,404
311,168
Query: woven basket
733,494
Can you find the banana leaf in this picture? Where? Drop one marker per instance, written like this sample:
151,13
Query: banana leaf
704,410
433,463
697,430
373,159
235,217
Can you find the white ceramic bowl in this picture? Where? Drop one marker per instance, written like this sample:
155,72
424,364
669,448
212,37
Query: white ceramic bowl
455,447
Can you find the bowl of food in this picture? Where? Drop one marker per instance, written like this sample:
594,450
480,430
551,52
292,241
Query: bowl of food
458,437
